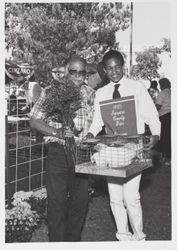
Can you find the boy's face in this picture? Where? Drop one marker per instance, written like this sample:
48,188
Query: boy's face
114,69
77,72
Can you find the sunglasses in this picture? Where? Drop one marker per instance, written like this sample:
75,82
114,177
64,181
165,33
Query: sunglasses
75,72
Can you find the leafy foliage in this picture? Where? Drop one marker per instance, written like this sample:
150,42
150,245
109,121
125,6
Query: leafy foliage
62,101
46,34
147,65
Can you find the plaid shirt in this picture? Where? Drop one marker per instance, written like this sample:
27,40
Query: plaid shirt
82,120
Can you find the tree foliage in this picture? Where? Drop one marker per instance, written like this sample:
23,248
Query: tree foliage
147,65
46,34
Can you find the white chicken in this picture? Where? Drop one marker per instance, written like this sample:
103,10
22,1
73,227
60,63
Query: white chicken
116,157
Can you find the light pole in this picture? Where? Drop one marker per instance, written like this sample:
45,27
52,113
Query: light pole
131,32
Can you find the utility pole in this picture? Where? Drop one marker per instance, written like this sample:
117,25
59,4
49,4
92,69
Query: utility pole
131,32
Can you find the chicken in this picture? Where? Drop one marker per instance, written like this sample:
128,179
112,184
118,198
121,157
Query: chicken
116,157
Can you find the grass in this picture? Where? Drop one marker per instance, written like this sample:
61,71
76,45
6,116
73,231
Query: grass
156,203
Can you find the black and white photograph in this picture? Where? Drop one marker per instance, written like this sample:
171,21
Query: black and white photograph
86,91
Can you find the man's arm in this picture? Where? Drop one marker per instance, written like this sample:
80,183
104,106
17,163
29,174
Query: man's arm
151,117
97,122
158,106
44,128
37,119
159,100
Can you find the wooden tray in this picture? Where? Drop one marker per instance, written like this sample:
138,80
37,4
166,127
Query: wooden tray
123,172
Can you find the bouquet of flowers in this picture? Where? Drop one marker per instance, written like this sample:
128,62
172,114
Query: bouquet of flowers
26,214
20,222
63,99
38,202
36,199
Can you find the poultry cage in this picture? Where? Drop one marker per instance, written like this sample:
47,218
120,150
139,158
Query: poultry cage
112,156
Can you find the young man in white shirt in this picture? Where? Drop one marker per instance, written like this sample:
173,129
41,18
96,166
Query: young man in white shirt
124,195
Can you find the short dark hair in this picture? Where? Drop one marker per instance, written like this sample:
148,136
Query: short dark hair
154,84
76,57
165,83
112,54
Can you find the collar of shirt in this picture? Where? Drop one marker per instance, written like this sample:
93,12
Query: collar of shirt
122,80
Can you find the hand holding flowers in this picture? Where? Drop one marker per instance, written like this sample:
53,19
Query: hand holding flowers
62,101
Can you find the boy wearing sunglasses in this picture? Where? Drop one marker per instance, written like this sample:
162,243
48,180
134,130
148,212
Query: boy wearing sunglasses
66,207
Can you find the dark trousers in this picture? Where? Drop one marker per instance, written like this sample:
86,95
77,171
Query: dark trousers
165,137
67,197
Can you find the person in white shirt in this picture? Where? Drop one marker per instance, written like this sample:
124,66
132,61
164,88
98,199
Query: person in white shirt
124,194
163,104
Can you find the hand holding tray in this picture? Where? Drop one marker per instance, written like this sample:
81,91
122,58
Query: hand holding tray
92,141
